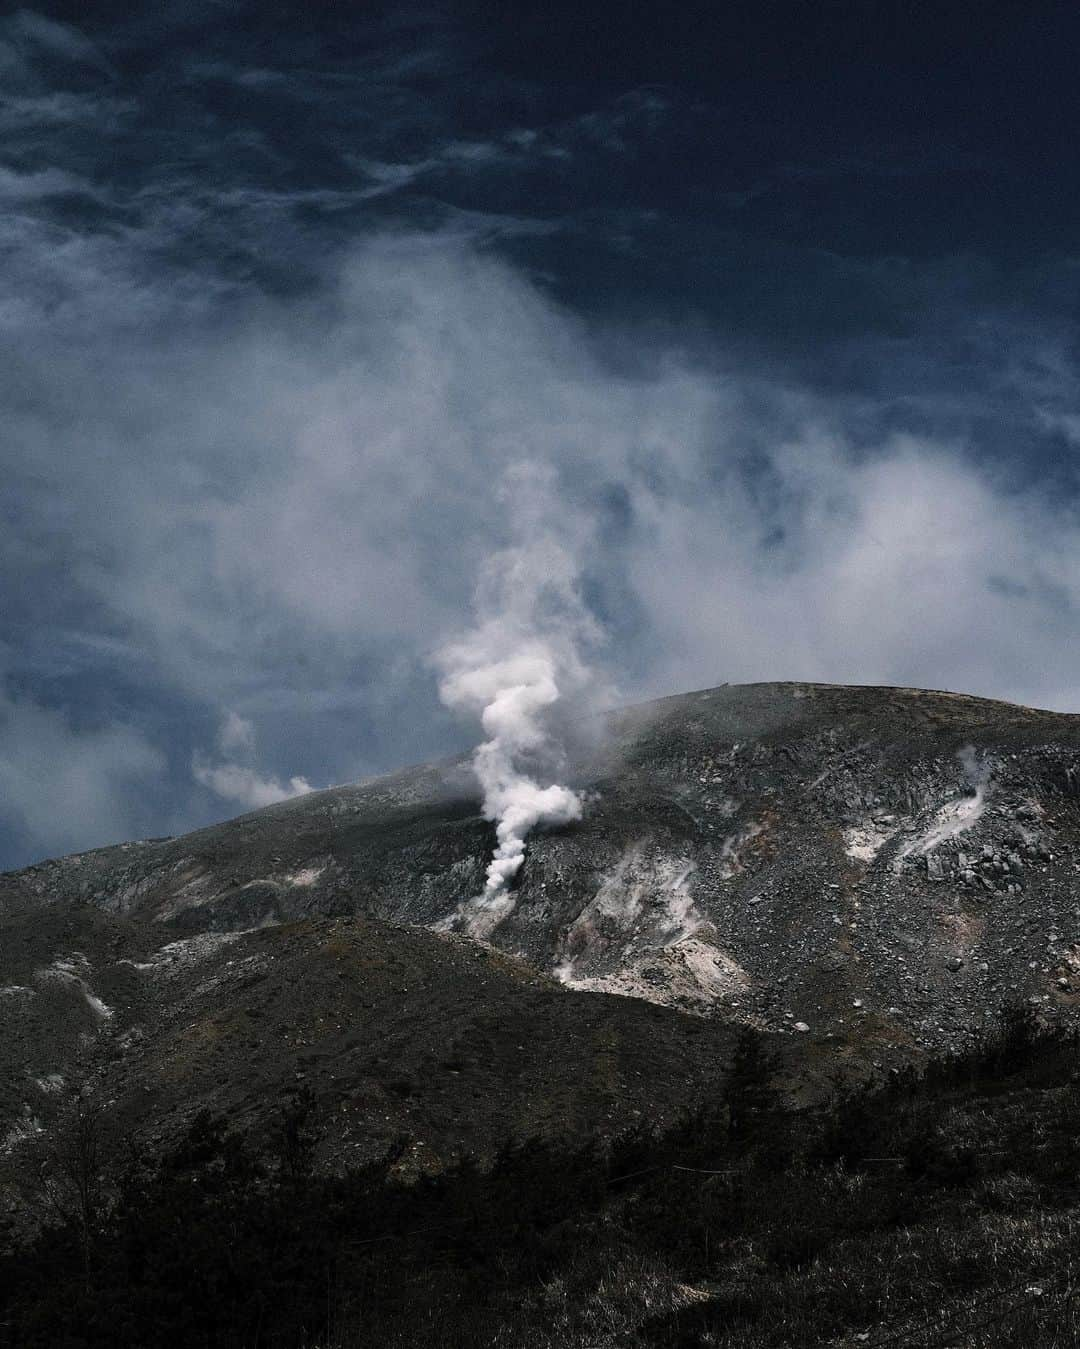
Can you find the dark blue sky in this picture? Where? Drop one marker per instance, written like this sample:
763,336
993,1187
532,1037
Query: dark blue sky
774,306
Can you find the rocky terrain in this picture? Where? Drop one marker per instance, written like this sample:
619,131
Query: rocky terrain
866,874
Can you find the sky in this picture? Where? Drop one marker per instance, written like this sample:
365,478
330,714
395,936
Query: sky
321,325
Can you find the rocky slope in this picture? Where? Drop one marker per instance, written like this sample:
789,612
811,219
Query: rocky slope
868,873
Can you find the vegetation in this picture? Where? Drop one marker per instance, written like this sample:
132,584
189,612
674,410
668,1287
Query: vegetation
937,1209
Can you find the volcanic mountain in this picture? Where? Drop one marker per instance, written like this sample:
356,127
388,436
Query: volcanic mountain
866,874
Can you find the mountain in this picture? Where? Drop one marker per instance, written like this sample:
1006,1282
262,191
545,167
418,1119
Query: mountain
866,874
780,899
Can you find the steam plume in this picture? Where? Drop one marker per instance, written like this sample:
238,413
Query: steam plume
522,657
511,696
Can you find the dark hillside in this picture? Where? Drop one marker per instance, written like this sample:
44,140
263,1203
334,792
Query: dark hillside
937,1211
399,1036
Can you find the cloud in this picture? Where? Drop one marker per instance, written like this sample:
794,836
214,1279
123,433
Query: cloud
38,114
31,187
868,569
238,781
63,788
276,336
285,505
234,782
237,733
34,30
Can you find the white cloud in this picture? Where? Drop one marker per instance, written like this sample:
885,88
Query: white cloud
230,501
234,782
290,514
878,569
237,733
238,781
327,482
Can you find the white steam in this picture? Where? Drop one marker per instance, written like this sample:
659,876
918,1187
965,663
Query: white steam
958,815
523,657
511,697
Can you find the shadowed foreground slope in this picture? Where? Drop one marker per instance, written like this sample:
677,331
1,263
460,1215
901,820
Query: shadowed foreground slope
934,1212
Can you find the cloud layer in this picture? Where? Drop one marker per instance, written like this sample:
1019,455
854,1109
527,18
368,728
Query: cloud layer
271,412
292,518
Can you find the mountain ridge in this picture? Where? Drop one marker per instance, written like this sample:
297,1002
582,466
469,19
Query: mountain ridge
865,876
